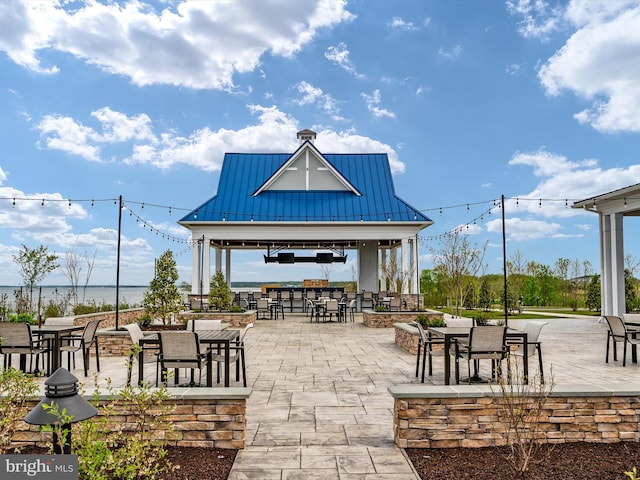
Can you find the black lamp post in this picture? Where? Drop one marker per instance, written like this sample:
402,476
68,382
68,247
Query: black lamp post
61,389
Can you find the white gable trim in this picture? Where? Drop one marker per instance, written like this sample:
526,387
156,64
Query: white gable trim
305,150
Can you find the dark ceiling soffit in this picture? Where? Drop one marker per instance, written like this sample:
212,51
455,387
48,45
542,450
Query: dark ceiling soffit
288,258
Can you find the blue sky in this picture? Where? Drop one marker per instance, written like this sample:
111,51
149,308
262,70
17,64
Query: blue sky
532,99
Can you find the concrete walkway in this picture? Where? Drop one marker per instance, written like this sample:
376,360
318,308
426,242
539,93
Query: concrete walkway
320,406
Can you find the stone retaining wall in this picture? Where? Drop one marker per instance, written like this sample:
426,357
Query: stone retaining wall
428,416
375,319
406,337
118,342
202,417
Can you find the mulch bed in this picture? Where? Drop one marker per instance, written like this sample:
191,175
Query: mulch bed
567,461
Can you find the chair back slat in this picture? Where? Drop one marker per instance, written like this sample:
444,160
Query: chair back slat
15,335
487,340
616,325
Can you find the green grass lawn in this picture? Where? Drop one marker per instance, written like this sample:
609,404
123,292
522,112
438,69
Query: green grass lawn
540,312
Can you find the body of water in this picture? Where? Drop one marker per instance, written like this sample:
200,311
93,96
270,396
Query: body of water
132,296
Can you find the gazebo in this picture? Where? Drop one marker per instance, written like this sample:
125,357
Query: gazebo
611,208
306,206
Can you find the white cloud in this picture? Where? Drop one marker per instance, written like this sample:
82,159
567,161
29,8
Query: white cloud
538,17
397,23
192,43
340,56
373,101
274,131
563,181
518,229
599,63
514,69
315,96
450,53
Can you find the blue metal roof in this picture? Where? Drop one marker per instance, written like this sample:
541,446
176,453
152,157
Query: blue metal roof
243,174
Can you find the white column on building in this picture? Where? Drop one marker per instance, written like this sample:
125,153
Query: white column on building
206,268
368,266
406,274
617,264
227,257
384,270
196,248
415,280
606,303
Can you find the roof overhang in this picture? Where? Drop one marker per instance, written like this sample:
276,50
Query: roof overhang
624,200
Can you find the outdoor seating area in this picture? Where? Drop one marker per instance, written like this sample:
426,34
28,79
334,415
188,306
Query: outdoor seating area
338,397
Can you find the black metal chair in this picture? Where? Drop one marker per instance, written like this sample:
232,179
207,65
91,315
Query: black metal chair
620,332
17,339
82,343
484,342
179,350
426,351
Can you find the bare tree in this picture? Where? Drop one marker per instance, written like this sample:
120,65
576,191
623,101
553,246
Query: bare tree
325,268
391,270
90,263
460,262
73,268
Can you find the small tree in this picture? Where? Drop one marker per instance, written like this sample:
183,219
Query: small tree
485,299
35,265
163,297
593,293
220,296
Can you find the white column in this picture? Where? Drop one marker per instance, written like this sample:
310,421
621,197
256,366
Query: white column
415,280
368,266
617,264
206,267
385,275
195,266
404,252
227,257
606,304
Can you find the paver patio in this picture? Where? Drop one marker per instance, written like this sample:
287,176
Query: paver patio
320,408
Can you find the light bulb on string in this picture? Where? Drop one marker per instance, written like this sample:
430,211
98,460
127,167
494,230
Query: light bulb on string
42,204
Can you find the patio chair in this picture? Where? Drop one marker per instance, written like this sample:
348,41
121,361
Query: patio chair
485,342
331,308
426,350
353,306
136,334
367,299
620,332
82,343
533,329
263,308
17,339
179,350
297,301
237,357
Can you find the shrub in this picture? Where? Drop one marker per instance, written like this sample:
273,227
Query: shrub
426,322
15,389
22,318
106,451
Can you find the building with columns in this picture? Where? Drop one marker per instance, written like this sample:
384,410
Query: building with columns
611,208
306,206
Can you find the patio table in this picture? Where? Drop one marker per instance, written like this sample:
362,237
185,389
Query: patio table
222,339
57,331
451,333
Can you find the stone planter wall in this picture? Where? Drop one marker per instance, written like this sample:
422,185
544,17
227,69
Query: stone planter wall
406,337
429,416
375,319
200,417
118,343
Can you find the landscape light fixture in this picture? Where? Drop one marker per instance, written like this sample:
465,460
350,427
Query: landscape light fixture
61,390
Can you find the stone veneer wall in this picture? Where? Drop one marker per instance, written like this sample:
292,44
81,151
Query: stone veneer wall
117,342
202,417
386,319
406,337
428,416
